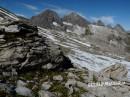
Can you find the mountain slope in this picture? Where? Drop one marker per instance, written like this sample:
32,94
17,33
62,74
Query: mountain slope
105,44
82,50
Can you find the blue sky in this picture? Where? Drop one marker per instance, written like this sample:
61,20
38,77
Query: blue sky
109,11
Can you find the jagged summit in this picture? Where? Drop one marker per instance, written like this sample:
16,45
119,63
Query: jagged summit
119,28
46,19
75,18
100,23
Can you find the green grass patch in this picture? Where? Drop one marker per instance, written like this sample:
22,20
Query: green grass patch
79,92
58,87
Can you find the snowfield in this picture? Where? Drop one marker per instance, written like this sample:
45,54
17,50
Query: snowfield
95,62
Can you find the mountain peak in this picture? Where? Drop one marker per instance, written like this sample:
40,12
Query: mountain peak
49,11
74,14
46,18
100,23
118,27
75,18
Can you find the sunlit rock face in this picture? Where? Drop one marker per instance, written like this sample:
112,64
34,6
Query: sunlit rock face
76,19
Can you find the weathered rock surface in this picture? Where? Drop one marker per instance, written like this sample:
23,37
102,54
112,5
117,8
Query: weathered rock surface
115,72
46,94
22,90
46,86
22,47
58,78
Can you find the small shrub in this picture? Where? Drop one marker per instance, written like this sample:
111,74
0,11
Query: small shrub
94,78
78,93
87,31
2,94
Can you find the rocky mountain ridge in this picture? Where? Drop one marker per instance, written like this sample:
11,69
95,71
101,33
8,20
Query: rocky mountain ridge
73,18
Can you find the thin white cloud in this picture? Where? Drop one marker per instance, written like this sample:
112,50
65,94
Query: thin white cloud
19,14
50,5
31,7
62,11
82,15
105,19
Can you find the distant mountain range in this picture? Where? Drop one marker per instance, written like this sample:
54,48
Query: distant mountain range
47,17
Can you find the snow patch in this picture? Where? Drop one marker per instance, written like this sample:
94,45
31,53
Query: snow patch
55,24
85,44
68,24
68,30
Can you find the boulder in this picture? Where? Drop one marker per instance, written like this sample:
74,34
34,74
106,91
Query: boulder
46,94
46,86
115,72
58,78
22,90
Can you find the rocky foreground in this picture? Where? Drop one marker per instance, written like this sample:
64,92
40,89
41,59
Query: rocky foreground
32,66
69,83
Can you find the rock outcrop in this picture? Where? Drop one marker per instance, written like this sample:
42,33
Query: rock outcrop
22,48
115,72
